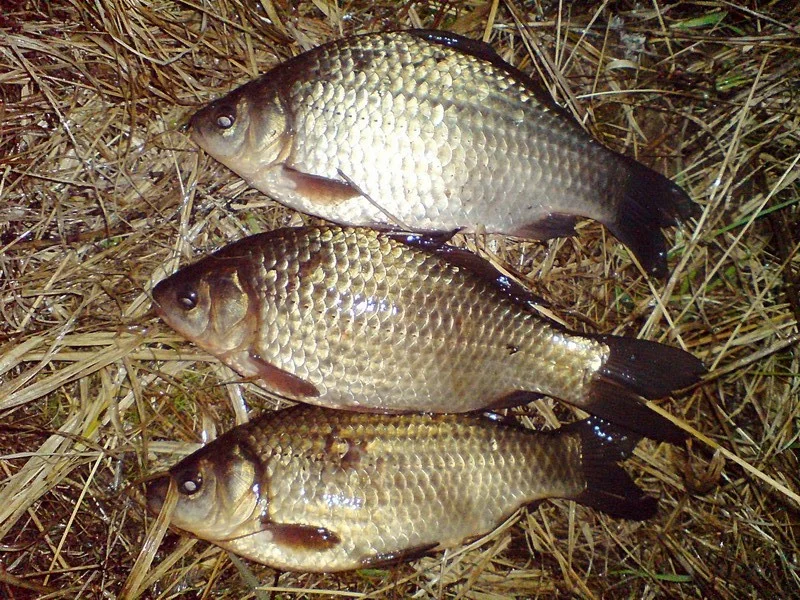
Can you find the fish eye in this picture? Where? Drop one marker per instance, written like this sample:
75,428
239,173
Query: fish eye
190,484
188,299
226,117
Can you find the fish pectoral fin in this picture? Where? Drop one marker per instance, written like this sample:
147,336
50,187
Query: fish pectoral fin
296,535
319,189
552,226
389,558
279,380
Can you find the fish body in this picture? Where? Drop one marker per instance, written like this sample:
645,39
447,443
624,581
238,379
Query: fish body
357,319
314,489
430,131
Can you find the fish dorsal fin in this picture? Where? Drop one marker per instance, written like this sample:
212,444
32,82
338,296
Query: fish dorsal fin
461,43
469,261
484,51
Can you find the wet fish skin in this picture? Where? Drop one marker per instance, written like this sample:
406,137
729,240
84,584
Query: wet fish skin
441,134
358,319
313,489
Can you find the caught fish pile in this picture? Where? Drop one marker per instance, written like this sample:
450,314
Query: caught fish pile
413,131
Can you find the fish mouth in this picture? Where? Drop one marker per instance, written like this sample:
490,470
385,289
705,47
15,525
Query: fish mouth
156,493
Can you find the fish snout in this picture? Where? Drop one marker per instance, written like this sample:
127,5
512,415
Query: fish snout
156,493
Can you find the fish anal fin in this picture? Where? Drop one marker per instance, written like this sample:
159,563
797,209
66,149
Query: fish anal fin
510,400
552,226
389,558
316,188
608,486
299,536
283,382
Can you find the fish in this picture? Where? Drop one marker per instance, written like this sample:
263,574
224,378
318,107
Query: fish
359,319
314,489
429,131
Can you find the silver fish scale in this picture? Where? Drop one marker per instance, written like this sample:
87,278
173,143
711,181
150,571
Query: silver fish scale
373,108
420,482
371,322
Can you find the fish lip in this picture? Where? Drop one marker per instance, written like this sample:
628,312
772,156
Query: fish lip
156,493
155,295
186,127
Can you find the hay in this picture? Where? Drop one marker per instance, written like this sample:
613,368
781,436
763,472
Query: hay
102,196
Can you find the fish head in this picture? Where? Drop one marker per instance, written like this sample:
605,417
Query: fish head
247,130
210,304
218,494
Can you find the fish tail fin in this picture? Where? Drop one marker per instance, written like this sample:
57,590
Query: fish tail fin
641,368
649,202
608,487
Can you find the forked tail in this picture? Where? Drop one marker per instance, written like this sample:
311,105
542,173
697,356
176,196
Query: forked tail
608,486
649,202
635,369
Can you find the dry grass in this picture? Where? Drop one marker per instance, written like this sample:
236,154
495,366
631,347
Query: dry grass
102,196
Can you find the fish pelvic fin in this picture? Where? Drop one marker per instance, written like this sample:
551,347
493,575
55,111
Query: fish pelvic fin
390,558
641,368
648,202
608,487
